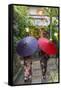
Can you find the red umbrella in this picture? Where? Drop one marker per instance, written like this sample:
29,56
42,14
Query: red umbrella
47,46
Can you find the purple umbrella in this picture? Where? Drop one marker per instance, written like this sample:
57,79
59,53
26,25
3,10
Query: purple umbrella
27,46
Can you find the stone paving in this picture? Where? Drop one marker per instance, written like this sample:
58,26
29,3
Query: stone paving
36,72
51,75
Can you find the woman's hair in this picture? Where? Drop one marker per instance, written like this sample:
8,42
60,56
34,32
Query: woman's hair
25,58
44,55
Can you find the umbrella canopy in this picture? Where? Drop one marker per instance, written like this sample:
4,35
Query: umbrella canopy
47,46
27,46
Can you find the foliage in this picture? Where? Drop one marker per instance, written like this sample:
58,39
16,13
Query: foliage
53,14
21,21
51,11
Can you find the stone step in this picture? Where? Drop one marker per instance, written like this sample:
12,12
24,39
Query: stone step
36,65
36,72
